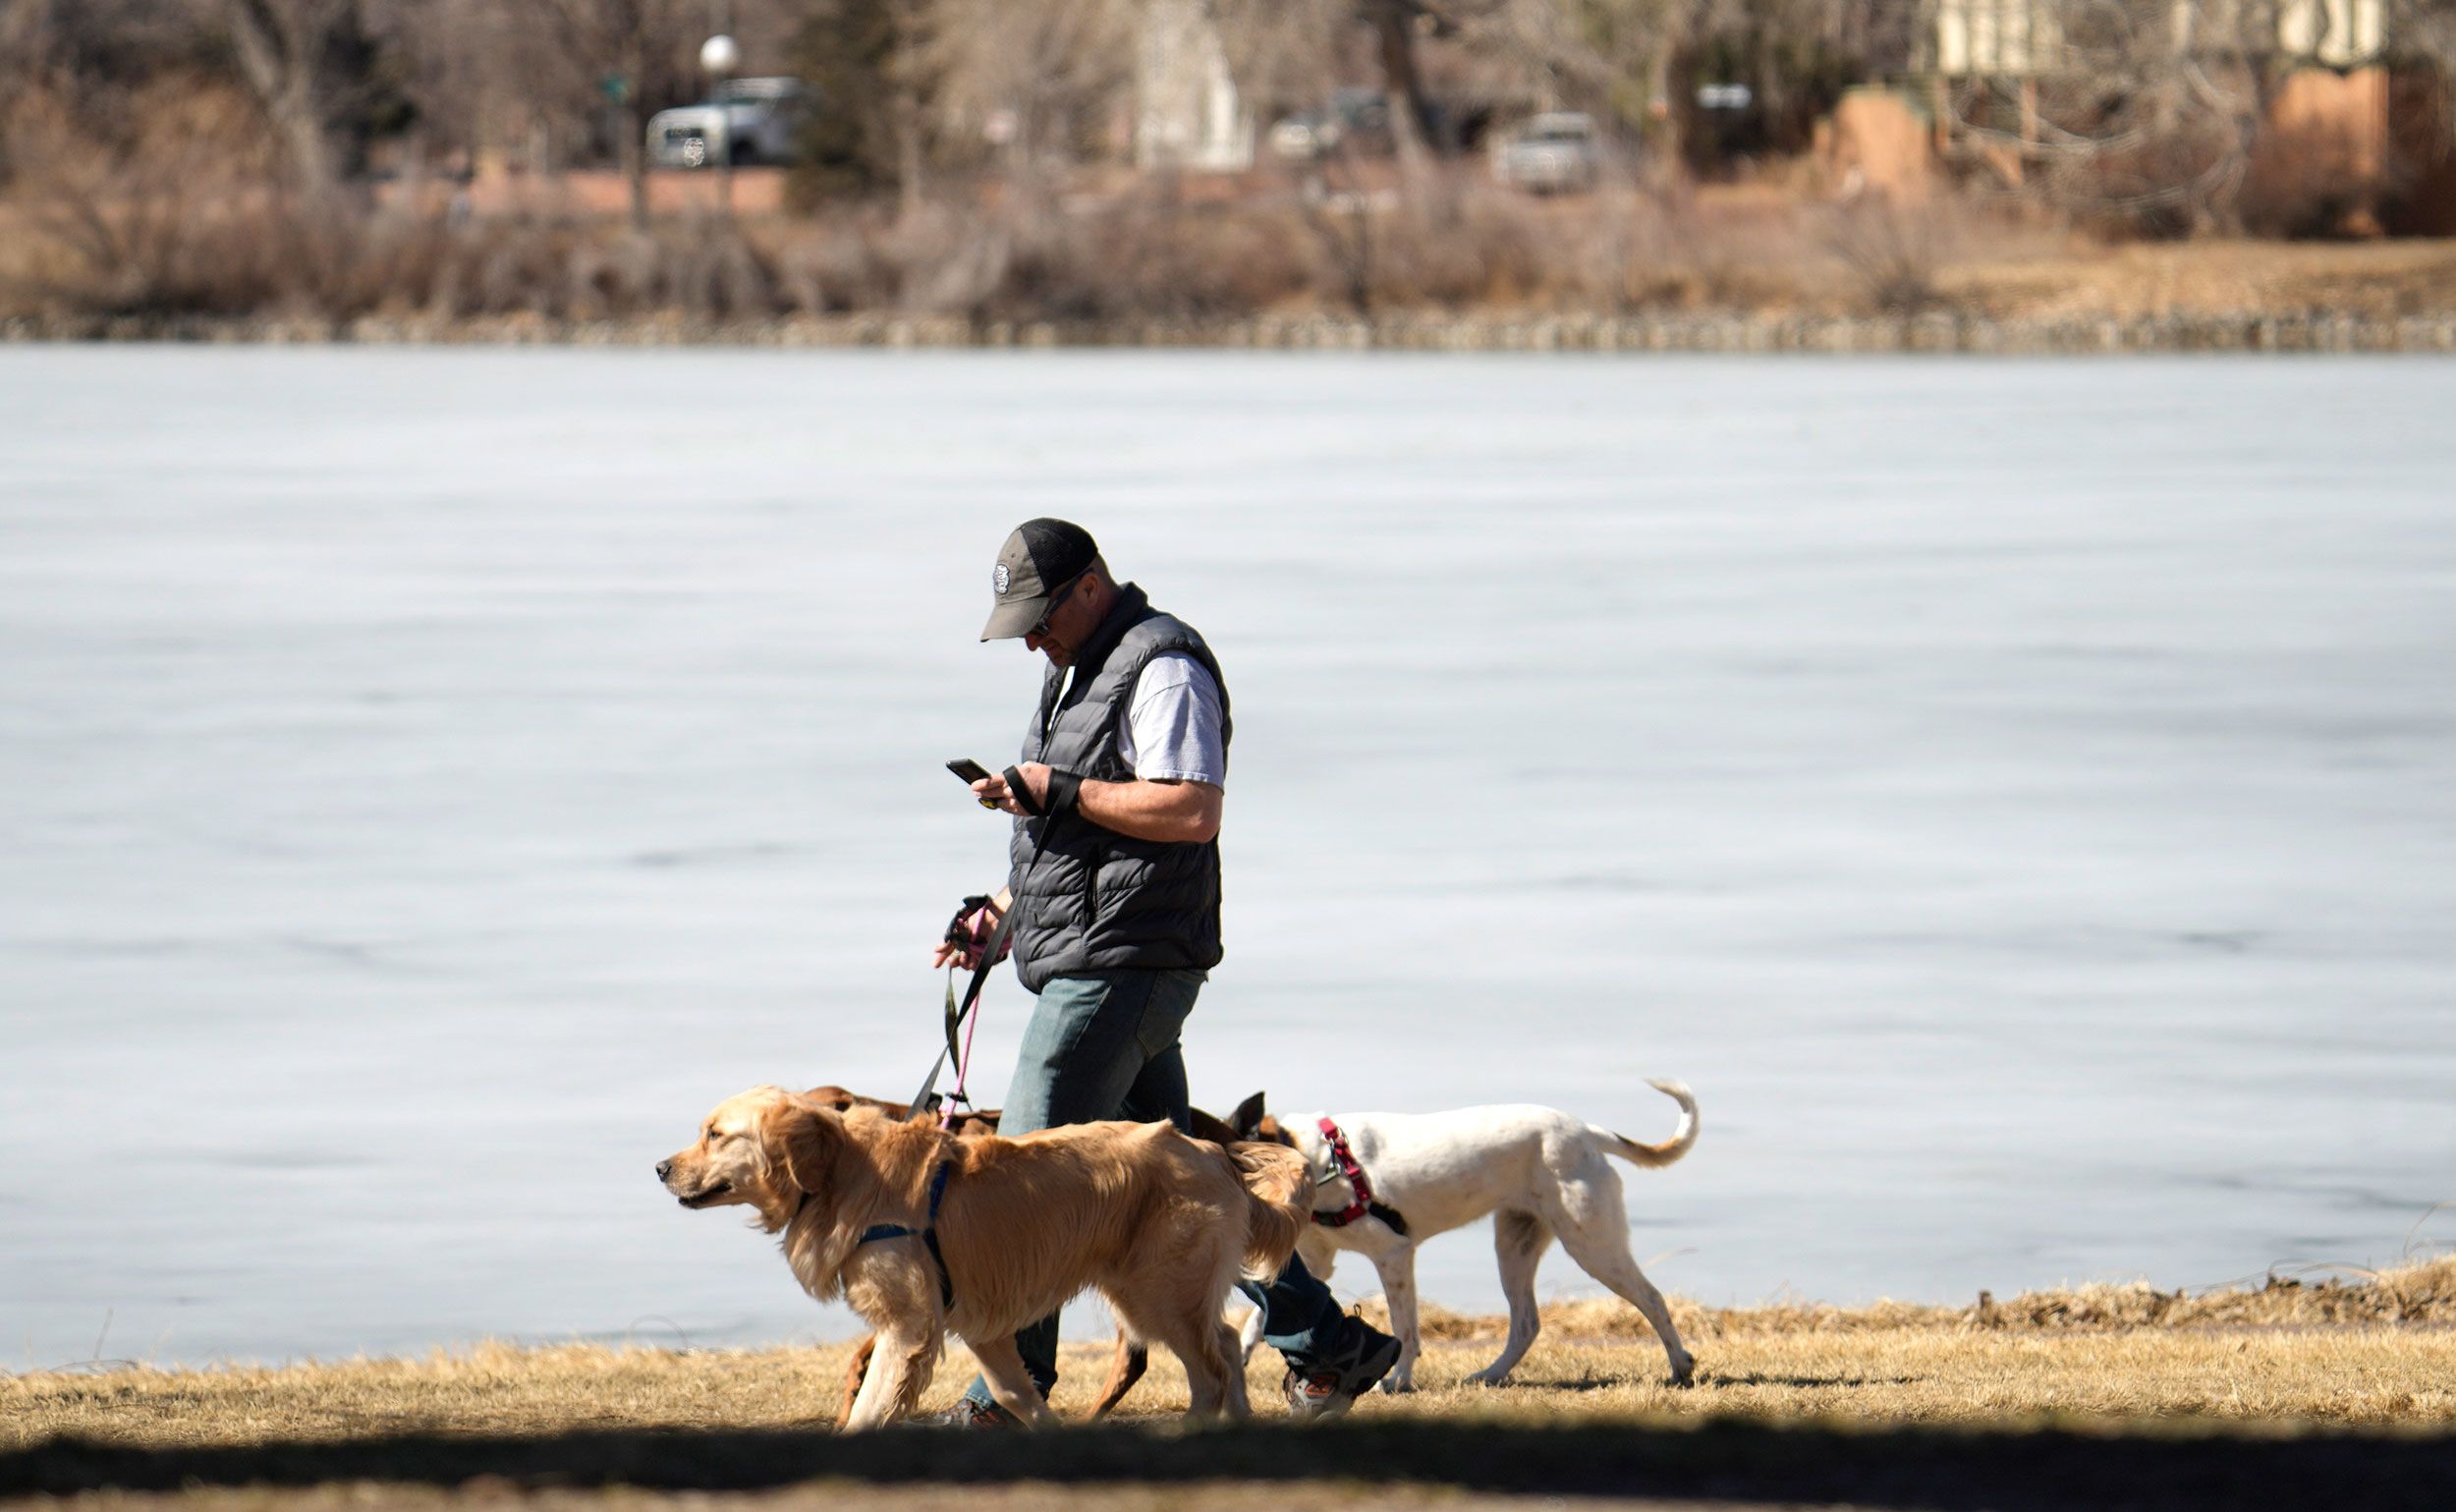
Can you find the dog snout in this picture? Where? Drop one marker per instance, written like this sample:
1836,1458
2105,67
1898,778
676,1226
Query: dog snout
665,1169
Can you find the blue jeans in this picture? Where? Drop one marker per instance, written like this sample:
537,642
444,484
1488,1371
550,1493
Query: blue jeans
1105,1045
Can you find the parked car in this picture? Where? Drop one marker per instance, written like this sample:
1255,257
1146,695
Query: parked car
1358,120
748,121
1555,153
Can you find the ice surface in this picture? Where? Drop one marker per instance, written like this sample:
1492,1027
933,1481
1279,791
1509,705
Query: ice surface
2019,796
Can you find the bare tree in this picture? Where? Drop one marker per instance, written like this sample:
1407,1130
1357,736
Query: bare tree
306,63
1050,75
1283,48
879,66
639,50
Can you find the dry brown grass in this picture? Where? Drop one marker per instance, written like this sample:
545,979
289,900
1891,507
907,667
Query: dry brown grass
114,244
166,215
2370,1350
835,1496
2374,279
2340,1392
1871,1376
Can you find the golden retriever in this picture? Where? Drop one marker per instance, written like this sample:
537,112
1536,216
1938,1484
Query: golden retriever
1157,1223
1131,1358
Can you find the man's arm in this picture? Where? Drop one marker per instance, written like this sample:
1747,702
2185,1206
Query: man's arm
1140,809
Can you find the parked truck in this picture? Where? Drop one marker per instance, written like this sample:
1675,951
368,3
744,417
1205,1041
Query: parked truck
1553,153
747,121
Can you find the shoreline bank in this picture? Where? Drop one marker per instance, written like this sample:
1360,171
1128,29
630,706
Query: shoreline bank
2333,1391
1937,333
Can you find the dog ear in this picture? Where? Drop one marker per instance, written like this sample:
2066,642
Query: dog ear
1248,1118
832,1096
803,1141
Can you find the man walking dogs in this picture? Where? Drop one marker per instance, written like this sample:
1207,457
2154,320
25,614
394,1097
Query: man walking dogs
1114,867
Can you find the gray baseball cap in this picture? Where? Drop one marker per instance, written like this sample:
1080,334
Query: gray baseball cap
1044,557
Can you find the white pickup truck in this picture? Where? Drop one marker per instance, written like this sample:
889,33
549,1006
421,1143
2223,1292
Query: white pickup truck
748,121
1553,153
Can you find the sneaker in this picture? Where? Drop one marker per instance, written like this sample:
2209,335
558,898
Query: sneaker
1331,1387
973,1413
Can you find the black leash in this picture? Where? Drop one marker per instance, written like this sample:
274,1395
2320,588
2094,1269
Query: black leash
956,1013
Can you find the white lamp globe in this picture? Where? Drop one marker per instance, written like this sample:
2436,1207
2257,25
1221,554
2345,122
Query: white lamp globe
719,55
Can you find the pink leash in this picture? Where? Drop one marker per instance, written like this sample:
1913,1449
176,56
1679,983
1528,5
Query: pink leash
963,1069
964,1063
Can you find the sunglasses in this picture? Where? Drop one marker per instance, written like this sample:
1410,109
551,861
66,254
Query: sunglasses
1057,597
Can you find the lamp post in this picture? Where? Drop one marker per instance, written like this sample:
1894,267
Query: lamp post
718,58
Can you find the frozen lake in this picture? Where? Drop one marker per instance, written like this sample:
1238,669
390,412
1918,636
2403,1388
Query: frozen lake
2018,796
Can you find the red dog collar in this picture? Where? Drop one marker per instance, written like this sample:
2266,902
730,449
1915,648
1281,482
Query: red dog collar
1361,1202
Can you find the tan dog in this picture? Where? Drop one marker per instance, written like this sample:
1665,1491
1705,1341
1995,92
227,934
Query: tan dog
967,1125
1158,1224
1131,1359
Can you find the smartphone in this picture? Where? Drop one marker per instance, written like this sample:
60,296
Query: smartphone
969,770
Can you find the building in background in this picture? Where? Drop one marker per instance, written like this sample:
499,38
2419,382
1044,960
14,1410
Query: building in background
1188,113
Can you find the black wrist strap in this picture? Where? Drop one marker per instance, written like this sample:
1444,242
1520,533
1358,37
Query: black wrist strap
1064,789
1023,794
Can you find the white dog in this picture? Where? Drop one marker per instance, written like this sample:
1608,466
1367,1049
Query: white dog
1540,1173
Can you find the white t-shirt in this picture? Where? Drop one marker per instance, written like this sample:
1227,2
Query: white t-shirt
1170,730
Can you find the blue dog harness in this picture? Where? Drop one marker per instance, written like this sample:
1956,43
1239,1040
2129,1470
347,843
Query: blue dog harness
927,1235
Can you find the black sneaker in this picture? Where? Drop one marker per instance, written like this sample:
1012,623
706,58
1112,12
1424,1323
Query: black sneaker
973,1413
1331,1387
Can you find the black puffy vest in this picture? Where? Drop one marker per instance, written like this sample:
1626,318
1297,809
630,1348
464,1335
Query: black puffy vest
1096,900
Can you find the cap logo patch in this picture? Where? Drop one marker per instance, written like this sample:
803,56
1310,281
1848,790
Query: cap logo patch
999,578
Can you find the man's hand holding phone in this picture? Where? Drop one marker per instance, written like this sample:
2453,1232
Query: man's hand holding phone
992,790
980,778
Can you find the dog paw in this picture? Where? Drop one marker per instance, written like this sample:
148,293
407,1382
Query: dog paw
1488,1379
1395,1386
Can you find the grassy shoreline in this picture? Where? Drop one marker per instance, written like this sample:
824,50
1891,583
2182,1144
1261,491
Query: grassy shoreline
1756,285
2351,1348
1942,332
2097,1396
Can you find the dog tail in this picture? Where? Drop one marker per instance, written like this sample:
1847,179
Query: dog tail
1278,1184
1670,1149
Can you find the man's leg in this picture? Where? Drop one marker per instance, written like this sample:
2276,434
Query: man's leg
1088,1045
1332,1358
1300,1318
1159,1090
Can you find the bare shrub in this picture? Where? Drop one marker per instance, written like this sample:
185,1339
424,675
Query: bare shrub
839,264
1340,224
1891,253
1455,244
953,259
1737,259
343,263
1153,255
1621,256
612,277
577,271
713,272
152,207
509,268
